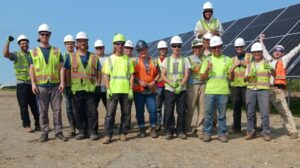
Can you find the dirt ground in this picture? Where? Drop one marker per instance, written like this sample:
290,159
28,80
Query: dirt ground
21,149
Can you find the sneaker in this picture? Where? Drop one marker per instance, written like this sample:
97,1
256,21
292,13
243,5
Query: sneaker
223,139
106,140
293,135
61,137
267,137
44,138
80,136
37,128
28,129
142,133
206,138
123,137
182,136
94,137
234,131
249,136
153,133
169,137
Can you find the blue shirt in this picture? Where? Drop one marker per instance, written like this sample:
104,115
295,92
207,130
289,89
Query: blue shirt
84,60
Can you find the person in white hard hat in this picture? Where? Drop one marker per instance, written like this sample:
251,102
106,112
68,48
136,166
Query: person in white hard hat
69,43
238,85
195,89
280,61
162,48
84,69
25,95
257,75
47,80
128,48
215,70
206,38
175,73
208,23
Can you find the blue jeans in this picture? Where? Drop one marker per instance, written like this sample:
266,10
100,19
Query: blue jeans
160,102
140,101
212,101
263,99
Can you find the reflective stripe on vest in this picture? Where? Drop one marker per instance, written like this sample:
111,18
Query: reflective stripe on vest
239,72
212,26
224,76
280,78
119,77
260,78
21,67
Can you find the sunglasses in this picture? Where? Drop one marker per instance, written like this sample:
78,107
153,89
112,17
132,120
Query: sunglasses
119,43
197,47
176,46
208,11
45,34
217,47
129,48
99,48
239,47
278,50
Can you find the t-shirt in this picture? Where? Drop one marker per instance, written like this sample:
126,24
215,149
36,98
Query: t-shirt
161,84
196,62
220,69
102,61
84,59
175,63
14,56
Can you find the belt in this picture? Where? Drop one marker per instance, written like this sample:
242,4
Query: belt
23,82
280,86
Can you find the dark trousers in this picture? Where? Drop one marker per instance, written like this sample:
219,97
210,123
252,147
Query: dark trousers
26,98
111,113
85,110
100,96
160,102
68,100
180,102
238,98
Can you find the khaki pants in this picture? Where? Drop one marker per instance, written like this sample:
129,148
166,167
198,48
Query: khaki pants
277,97
195,100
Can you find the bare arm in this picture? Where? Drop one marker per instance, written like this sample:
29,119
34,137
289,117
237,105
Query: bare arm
62,78
186,77
106,80
204,76
290,55
131,80
6,52
163,76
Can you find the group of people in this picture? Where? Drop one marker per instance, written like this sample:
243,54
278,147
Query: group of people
203,81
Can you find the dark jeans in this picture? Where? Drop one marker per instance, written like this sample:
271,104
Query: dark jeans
140,101
100,96
111,113
27,98
160,101
180,102
68,100
84,107
238,98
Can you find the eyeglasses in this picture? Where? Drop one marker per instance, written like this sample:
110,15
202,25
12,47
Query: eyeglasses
217,47
239,47
208,11
278,50
45,34
119,43
176,46
99,48
197,47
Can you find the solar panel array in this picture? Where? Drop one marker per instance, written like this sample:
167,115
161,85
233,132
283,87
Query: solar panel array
281,26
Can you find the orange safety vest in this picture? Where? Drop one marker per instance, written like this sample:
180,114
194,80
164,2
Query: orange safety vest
142,74
280,77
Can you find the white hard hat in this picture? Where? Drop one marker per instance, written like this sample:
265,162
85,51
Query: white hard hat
256,47
162,44
207,35
69,38
207,5
44,27
197,42
81,35
98,43
22,37
239,42
128,43
176,40
215,41
279,46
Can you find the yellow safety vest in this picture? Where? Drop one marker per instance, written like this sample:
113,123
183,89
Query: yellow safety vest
211,26
21,67
239,72
259,78
170,69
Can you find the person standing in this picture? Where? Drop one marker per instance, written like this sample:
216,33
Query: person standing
279,62
47,80
118,69
162,48
145,77
128,48
175,73
24,93
257,75
215,71
195,89
208,23
69,45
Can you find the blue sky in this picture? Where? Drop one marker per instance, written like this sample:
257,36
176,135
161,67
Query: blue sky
136,19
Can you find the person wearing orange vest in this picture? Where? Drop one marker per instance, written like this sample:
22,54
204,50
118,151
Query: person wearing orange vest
208,23
24,93
280,62
47,80
144,88
258,74
84,69
162,48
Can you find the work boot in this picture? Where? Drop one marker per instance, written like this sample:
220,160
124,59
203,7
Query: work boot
142,133
169,136
28,129
123,137
200,134
250,136
293,135
206,138
106,140
94,137
44,138
37,128
72,124
153,133
158,128
61,137
80,136
234,131
182,136
223,139
267,137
